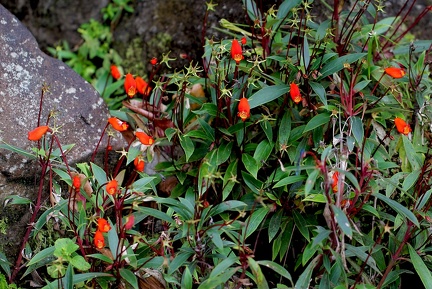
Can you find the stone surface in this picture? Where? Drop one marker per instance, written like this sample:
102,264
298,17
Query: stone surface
52,21
79,111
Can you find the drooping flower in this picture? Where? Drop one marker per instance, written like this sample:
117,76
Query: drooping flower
335,179
243,109
118,124
295,93
243,40
236,51
76,182
142,85
103,225
130,85
115,72
402,126
144,138
99,240
112,187
139,164
153,61
37,133
130,220
395,72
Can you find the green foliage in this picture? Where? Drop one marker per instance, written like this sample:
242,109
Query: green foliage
328,192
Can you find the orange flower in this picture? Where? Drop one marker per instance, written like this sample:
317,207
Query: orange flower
236,51
243,40
142,85
37,133
295,93
243,109
115,73
112,187
103,225
118,124
153,61
76,182
139,164
395,72
335,179
130,220
99,240
130,85
144,138
402,126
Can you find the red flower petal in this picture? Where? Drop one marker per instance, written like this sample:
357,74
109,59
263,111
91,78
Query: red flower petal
115,73
144,138
236,51
395,72
118,124
130,85
243,109
99,240
103,225
112,187
37,133
401,126
295,93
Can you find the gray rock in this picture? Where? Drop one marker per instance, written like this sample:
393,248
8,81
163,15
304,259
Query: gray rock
80,113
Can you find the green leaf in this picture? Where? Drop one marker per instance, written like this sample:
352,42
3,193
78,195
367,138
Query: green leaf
289,180
19,151
301,224
276,267
45,253
267,94
178,261
320,91
251,165
274,225
187,145
422,270
224,265
316,121
357,129
157,214
187,279
411,154
310,182
99,174
401,210
255,220
232,205
261,281
284,129
305,277
16,200
342,221
80,263
212,282
129,277
337,64
262,151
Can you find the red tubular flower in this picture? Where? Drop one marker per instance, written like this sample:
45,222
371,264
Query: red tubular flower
99,240
37,133
295,93
103,225
118,124
402,126
115,73
236,51
335,179
243,109
243,40
112,187
395,72
130,220
76,182
153,61
144,138
142,85
139,164
130,85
